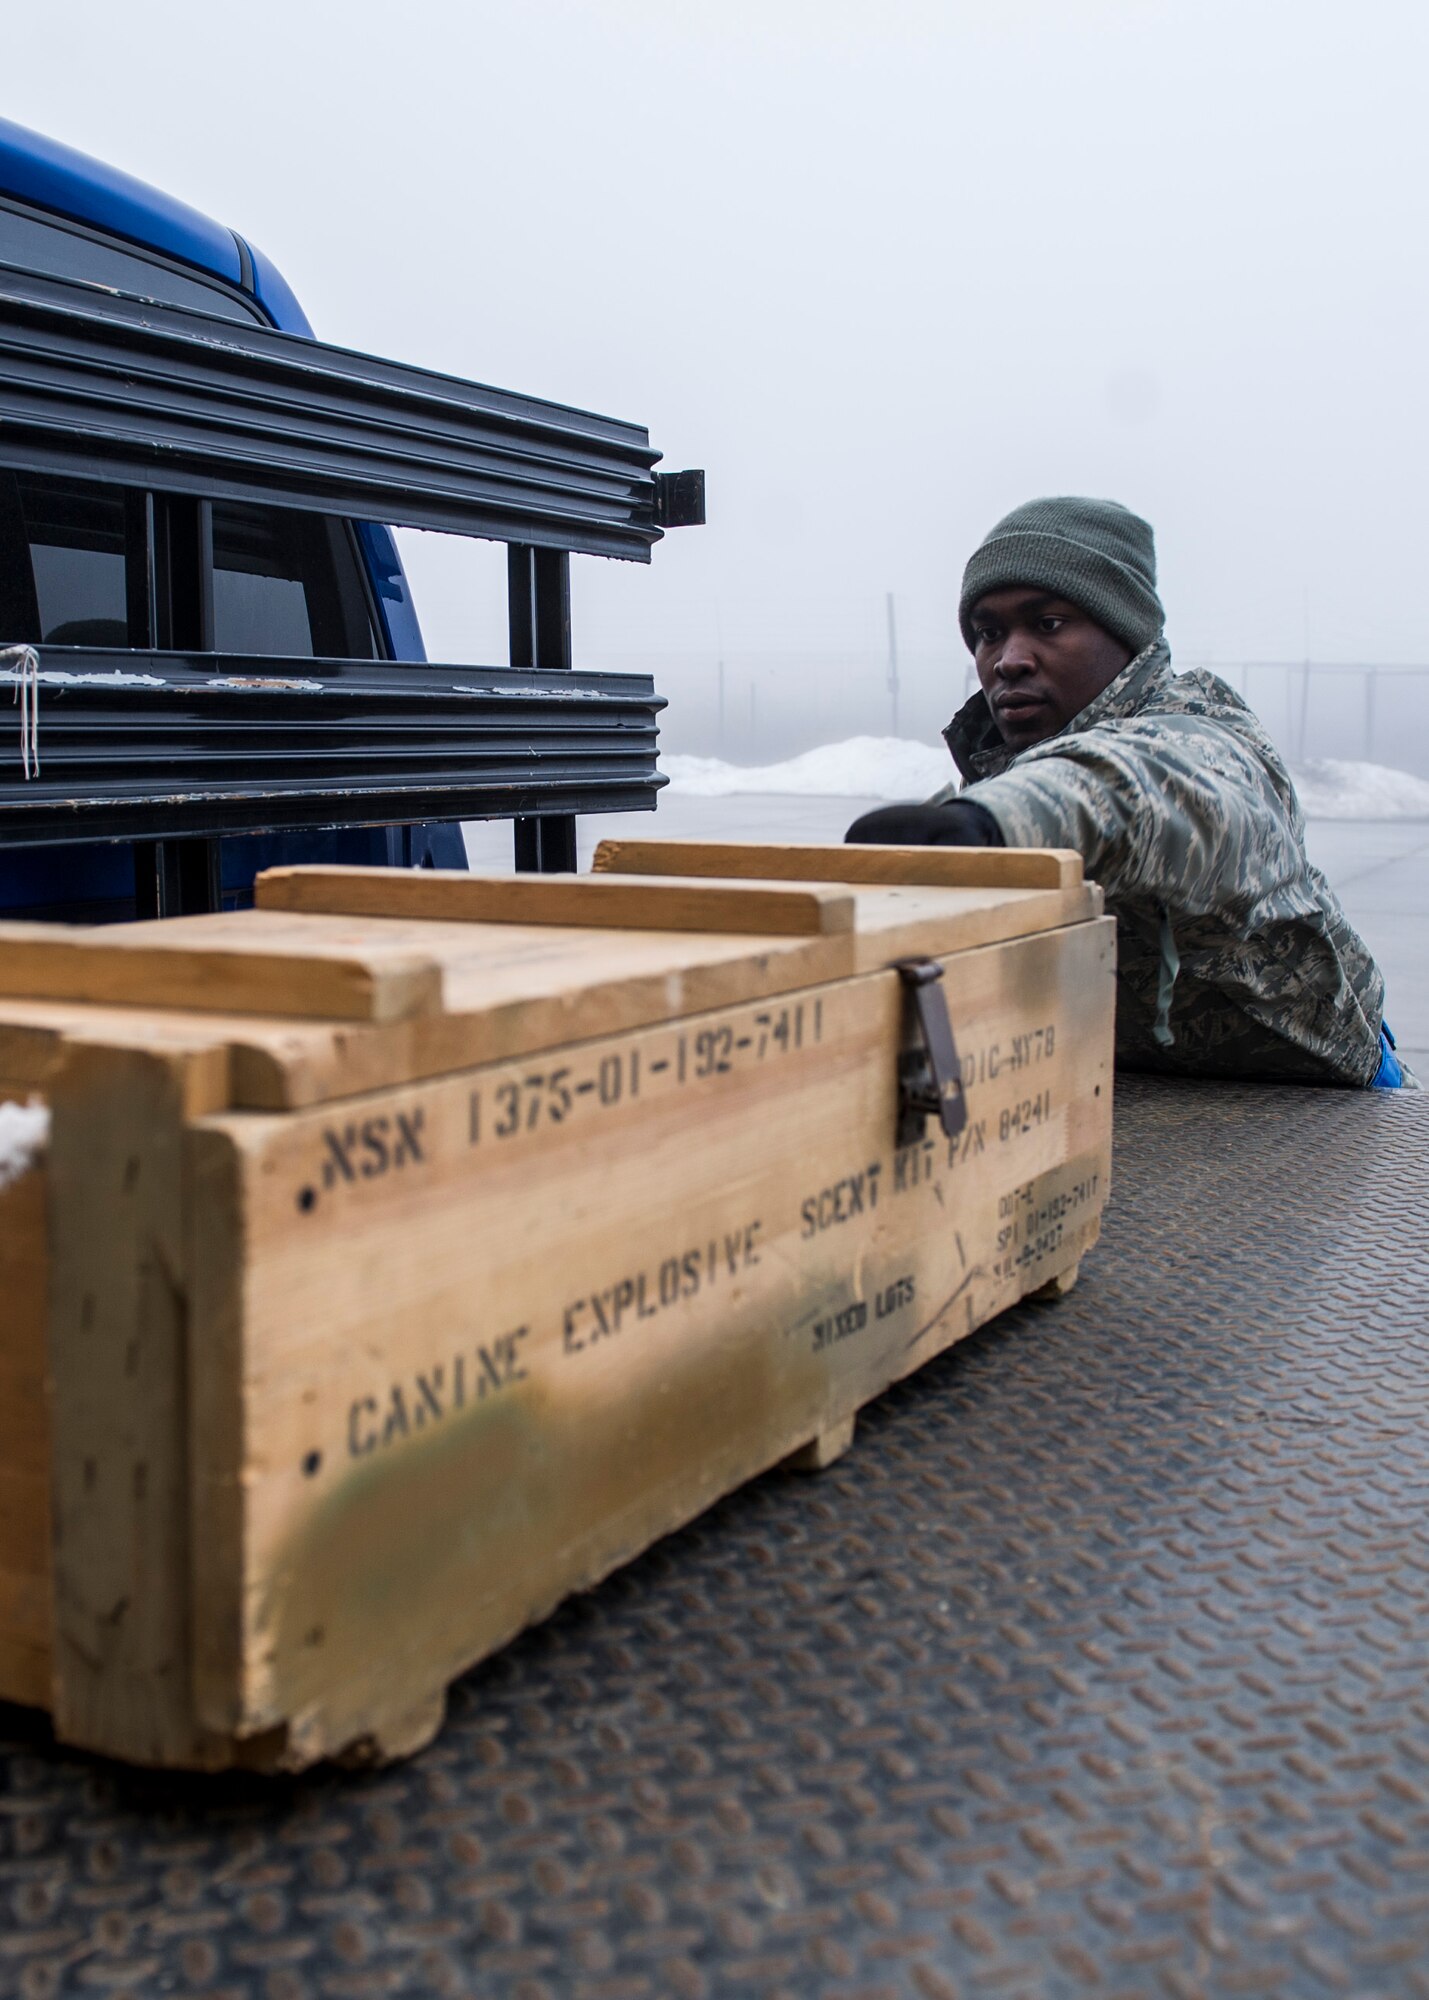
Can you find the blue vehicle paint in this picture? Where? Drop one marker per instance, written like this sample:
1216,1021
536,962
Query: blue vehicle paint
67,182
274,293
390,594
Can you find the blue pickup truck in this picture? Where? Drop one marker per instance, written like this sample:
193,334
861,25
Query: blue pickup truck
199,610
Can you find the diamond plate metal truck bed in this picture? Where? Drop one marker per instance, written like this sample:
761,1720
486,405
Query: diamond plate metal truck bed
1097,1667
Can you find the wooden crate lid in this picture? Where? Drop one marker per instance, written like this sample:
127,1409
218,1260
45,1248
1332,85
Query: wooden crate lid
347,979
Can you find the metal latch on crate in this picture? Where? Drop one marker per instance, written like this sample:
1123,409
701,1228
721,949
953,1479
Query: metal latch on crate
930,1083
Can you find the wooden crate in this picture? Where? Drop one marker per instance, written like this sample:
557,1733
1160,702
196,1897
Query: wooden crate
420,1247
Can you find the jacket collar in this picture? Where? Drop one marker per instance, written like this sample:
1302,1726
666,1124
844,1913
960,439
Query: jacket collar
976,743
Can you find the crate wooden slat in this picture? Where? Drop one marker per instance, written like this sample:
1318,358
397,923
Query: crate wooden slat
215,963
122,1341
934,867
607,902
351,1382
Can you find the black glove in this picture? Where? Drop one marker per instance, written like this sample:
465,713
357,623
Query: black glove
958,824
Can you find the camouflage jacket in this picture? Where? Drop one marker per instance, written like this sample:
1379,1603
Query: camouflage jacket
1234,956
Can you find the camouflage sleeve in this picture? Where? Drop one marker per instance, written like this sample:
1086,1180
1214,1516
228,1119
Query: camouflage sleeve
1165,807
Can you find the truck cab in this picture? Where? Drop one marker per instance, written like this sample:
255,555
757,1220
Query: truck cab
99,558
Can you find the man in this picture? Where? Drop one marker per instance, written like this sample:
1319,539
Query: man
1234,956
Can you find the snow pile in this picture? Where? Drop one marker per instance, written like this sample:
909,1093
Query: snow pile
890,767
24,1134
865,767
1330,788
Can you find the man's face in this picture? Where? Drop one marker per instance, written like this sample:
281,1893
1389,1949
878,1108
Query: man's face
1040,661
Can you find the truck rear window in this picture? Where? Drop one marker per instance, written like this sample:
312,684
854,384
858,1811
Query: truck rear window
76,543
72,554
286,582
63,249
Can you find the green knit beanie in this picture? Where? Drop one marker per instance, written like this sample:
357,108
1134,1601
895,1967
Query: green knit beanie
1094,553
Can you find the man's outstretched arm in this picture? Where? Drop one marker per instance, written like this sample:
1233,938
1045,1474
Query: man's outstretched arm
1168,811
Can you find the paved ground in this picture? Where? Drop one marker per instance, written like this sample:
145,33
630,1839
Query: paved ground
1380,869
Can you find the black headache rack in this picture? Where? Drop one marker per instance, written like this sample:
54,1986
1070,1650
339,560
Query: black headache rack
163,742
213,744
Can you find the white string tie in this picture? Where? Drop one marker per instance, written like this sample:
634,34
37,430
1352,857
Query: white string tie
26,662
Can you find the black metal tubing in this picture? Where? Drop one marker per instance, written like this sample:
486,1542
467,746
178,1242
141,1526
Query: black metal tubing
137,744
538,596
173,878
680,499
108,387
538,593
546,845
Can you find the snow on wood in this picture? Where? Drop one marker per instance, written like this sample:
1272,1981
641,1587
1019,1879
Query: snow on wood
24,1134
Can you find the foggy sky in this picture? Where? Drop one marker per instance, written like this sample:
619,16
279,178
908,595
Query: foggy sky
883,273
